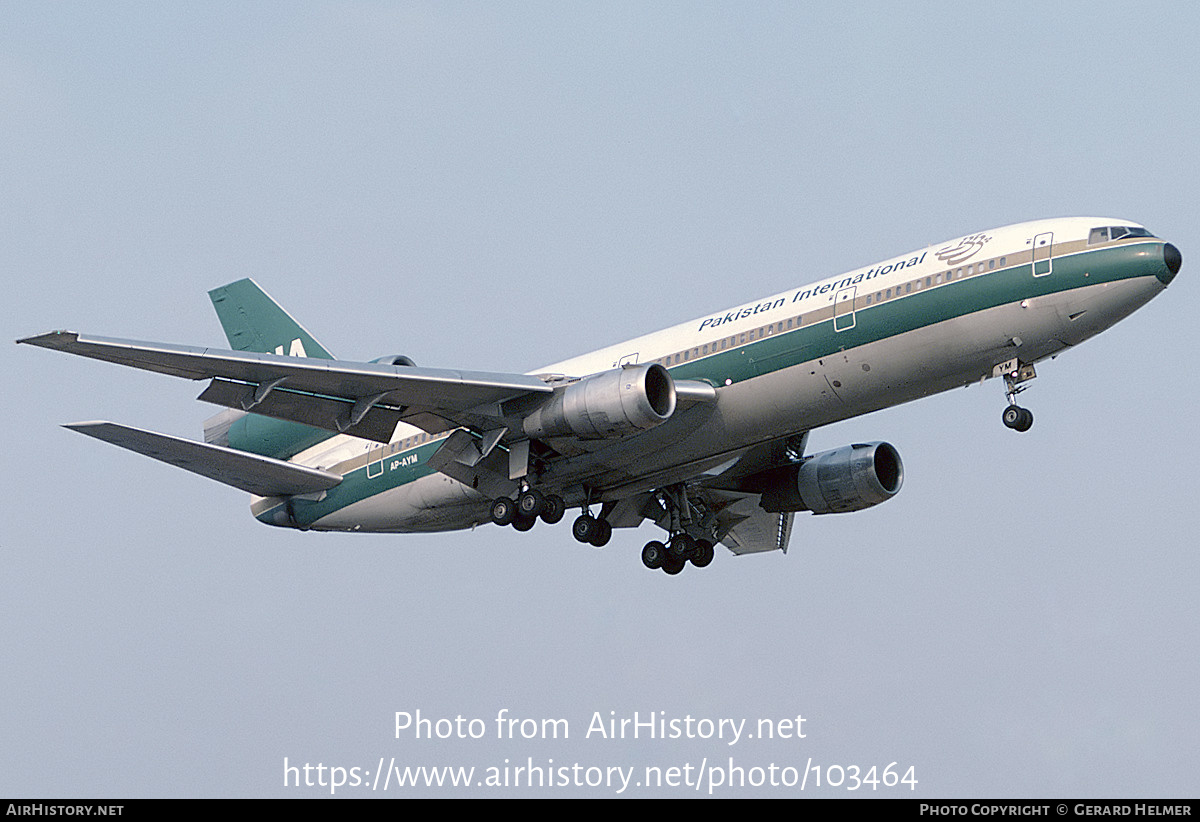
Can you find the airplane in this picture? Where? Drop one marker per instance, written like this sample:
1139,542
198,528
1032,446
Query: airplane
700,428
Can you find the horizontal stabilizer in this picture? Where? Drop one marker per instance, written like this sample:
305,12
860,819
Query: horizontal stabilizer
256,474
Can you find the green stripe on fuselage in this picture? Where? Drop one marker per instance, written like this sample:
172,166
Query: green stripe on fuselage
922,308
281,439
391,471
782,350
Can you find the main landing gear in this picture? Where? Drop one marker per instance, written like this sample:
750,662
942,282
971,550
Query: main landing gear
530,505
683,521
678,551
689,527
521,513
1014,416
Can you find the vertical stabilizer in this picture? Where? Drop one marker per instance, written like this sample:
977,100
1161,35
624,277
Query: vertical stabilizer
255,322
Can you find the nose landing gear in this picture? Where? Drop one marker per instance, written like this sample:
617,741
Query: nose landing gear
1017,418
1014,416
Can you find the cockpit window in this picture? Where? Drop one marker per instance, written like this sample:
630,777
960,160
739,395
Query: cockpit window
1116,232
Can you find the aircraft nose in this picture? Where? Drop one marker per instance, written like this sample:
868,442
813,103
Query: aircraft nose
1173,261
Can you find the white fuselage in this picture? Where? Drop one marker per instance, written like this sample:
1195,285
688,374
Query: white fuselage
875,337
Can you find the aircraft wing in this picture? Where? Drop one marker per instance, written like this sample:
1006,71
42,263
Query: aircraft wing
259,475
362,399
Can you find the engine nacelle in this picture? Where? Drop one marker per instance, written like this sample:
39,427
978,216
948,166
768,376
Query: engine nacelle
614,403
396,359
849,478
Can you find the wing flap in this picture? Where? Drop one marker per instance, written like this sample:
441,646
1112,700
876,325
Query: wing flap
761,531
255,474
330,413
437,396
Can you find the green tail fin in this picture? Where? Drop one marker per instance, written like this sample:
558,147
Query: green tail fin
255,322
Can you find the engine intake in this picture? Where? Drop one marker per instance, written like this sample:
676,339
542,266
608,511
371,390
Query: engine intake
849,478
614,403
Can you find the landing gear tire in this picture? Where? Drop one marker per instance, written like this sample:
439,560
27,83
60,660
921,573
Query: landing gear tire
531,503
703,553
601,533
583,527
1017,418
523,523
554,509
504,511
654,554
681,547
673,566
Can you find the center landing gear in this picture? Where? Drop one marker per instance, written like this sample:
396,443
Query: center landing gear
591,530
1014,416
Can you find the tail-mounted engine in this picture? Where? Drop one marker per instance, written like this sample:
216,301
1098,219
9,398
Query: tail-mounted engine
849,478
396,359
614,403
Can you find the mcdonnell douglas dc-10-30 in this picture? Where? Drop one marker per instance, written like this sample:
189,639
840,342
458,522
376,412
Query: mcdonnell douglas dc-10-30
700,428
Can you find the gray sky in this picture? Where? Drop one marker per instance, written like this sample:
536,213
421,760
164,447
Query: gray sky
496,187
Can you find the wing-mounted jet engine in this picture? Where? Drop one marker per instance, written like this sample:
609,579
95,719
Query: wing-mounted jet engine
613,403
609,405
849,478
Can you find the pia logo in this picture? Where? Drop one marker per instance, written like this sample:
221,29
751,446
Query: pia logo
296,349
966,248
